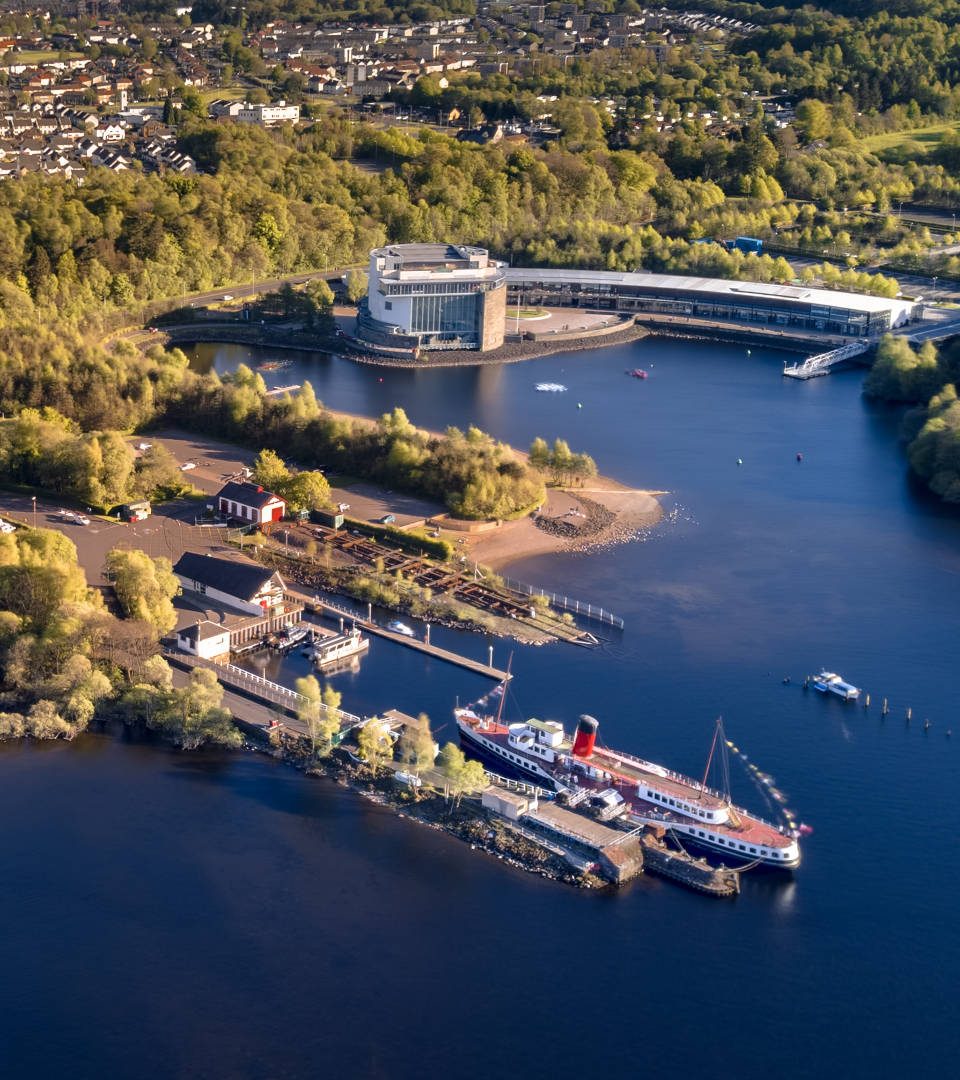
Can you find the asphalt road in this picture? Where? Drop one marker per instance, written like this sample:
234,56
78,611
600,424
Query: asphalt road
167,532
255,287
217,462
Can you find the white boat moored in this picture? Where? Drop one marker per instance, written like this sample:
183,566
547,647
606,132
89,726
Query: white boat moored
828,682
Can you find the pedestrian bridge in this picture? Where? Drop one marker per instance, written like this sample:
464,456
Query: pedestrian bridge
823,363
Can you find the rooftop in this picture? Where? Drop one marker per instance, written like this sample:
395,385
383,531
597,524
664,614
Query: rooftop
429,254
203,630
231,576
717,286
248,494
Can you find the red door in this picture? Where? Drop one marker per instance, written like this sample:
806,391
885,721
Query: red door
277,513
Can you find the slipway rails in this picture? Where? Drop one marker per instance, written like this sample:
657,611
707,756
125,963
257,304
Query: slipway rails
462,585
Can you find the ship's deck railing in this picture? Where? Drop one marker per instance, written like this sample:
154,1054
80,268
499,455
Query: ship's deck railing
657,771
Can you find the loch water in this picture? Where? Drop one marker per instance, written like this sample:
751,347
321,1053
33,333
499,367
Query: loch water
210,914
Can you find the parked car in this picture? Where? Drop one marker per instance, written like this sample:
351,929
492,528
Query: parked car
6,527
387,519
187,466
82,520
343,506
144,445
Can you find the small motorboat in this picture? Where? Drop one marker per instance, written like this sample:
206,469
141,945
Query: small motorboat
550,387
828,682
397,627
637,373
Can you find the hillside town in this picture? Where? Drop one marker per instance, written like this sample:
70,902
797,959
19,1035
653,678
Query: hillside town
95,88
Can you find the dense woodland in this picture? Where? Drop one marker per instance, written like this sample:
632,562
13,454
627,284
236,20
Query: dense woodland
927,377
606,189
65,658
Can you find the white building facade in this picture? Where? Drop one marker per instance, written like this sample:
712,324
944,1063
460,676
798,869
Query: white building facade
268,115
434,296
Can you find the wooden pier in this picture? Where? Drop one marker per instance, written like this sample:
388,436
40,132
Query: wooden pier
478,667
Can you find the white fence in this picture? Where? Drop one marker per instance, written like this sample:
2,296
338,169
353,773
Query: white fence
567,603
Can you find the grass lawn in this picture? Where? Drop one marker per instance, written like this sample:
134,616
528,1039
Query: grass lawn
235,92
927,137
40,56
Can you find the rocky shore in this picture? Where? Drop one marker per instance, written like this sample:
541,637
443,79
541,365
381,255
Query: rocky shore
467,822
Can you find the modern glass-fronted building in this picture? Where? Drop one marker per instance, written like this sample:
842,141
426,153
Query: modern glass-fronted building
786,307
434,296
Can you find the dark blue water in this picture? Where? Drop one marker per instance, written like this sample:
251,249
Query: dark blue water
183,915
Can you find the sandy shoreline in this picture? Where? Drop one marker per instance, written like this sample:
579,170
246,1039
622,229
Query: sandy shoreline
605,512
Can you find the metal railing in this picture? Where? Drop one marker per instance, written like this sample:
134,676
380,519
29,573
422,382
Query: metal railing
821,363
567,603
241,679
519,785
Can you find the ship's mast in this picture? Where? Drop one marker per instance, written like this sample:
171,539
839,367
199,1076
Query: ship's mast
713,747
503,694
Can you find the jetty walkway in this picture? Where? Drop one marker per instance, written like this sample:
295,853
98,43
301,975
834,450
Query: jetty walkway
478,667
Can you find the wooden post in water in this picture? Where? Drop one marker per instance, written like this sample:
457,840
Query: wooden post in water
909,714
489,656
866,702
885,708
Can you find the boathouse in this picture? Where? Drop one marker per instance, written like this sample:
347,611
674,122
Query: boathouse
241,585
250,503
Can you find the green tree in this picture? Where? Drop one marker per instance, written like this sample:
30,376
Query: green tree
813,116
356,285
157,474
539,453
145,587
193,715
306,491
308,711
901,373
462,776
415,746
375,743
269,471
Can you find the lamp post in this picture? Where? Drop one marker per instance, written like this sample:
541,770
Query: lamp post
33,499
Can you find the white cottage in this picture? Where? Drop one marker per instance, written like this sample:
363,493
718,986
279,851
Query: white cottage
206,639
